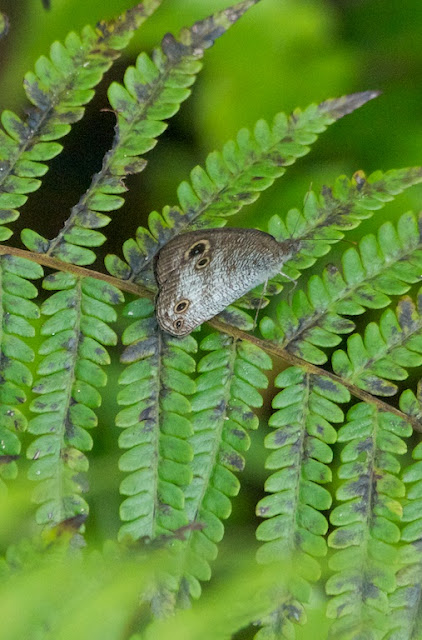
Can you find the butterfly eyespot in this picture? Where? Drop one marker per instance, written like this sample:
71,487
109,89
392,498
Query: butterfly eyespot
182,306
202,262
178,324
197,249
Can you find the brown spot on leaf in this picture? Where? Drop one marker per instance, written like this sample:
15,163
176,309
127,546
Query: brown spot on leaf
6,459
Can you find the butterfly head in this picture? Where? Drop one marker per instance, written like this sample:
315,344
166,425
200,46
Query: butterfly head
290,247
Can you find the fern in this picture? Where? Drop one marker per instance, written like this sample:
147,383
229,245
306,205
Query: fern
71,371
153,91
294,526
232,179
59,89
186,406
385,353
405,601
226,393
382,267
17,310
366,523
156,426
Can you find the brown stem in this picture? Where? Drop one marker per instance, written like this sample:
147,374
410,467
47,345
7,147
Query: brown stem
275,350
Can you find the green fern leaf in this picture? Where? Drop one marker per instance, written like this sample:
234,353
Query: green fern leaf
237,176
386,351
60,87
17,309
383,266
338,208
366,522
405,600
227,391
71,372
294,527
153,92
156,426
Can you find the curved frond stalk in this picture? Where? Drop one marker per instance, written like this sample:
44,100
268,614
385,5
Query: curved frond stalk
156,426
71,372
295,527
60,87
386,350
366,522
16,309
384,266
406,601
227,392
152,93
237,176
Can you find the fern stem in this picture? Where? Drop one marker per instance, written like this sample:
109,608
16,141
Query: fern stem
318,314
83,272
73,353
311,368
139,290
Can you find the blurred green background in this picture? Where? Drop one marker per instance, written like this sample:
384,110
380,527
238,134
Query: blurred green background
282,54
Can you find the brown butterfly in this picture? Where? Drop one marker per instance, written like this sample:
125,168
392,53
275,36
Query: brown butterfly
199,273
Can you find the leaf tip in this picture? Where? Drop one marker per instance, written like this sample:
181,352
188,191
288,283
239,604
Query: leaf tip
339,107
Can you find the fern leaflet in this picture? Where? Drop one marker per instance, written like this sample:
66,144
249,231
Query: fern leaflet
295,526
71,370
382,267
17,309
367,522
234,178
153,91
59,89
229,376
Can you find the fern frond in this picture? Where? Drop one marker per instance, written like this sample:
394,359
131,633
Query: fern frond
406,601
71,372
17,309
341,207
227,392
60,87
235,177
366,522
153,92
295,526
337,208
385,352
156,425
383,266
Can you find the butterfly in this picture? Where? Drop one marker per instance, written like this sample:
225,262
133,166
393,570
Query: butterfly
200,273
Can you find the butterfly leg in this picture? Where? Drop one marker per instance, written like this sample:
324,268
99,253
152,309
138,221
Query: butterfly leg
258,309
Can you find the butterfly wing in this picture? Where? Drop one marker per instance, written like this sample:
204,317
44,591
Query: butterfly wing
200,273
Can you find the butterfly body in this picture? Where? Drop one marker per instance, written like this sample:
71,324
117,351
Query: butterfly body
199,273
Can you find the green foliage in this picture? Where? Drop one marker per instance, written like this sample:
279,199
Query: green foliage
386,351
338,508
226,394
366,521
153,91
294,528
59,89
233,178
156,426
17,311
71,373
383,266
